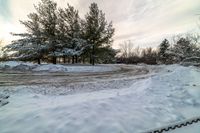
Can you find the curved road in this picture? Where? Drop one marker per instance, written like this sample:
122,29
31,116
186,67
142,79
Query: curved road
14,78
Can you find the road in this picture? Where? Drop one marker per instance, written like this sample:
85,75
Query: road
13,78
70,83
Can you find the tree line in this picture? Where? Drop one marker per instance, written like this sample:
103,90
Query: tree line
181,48
59,34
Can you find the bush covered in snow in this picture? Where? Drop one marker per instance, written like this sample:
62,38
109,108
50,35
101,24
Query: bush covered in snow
192,61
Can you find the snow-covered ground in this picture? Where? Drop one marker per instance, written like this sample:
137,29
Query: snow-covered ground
22,66
159,99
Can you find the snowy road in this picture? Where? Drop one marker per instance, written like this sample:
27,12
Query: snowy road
70,83
128,101
30,78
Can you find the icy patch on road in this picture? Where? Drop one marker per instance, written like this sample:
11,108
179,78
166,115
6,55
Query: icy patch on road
170,96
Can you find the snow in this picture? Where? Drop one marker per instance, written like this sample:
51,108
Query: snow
191,61
24,66
195,128
12,64
51,68
62,68
169,96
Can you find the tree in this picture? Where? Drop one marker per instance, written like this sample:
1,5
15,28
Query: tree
149,56
162,54
72,39
47,13
97,31
41,38
126,49
183,49
0,46
185,46
30,47
1,51
53,33
106,55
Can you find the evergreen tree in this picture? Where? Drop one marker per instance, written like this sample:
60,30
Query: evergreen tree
73,42
59,33
162,54
97,31
41,38
30,47
106,55
183,49
47,12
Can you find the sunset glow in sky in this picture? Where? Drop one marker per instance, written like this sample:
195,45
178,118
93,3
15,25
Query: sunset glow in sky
142,21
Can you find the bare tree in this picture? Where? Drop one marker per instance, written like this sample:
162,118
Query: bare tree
126,49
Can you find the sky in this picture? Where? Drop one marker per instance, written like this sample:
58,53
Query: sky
145,22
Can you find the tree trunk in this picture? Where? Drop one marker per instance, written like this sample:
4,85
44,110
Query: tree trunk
64,59
54,60
83,60
73,60
39,61
76,59
69,59
90,58
93,56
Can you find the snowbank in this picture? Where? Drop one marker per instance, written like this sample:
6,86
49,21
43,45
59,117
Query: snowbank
51,68
18,66
62,68
22,66
169,96
12,64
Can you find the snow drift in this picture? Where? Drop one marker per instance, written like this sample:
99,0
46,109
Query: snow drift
170,96
22,66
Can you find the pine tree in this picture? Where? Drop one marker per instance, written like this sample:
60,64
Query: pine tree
47,12
97,31
30,47
73,43
59,33
162,54
183,49
41,38
106,55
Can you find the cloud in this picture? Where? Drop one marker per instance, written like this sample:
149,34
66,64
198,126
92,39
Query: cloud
143,21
